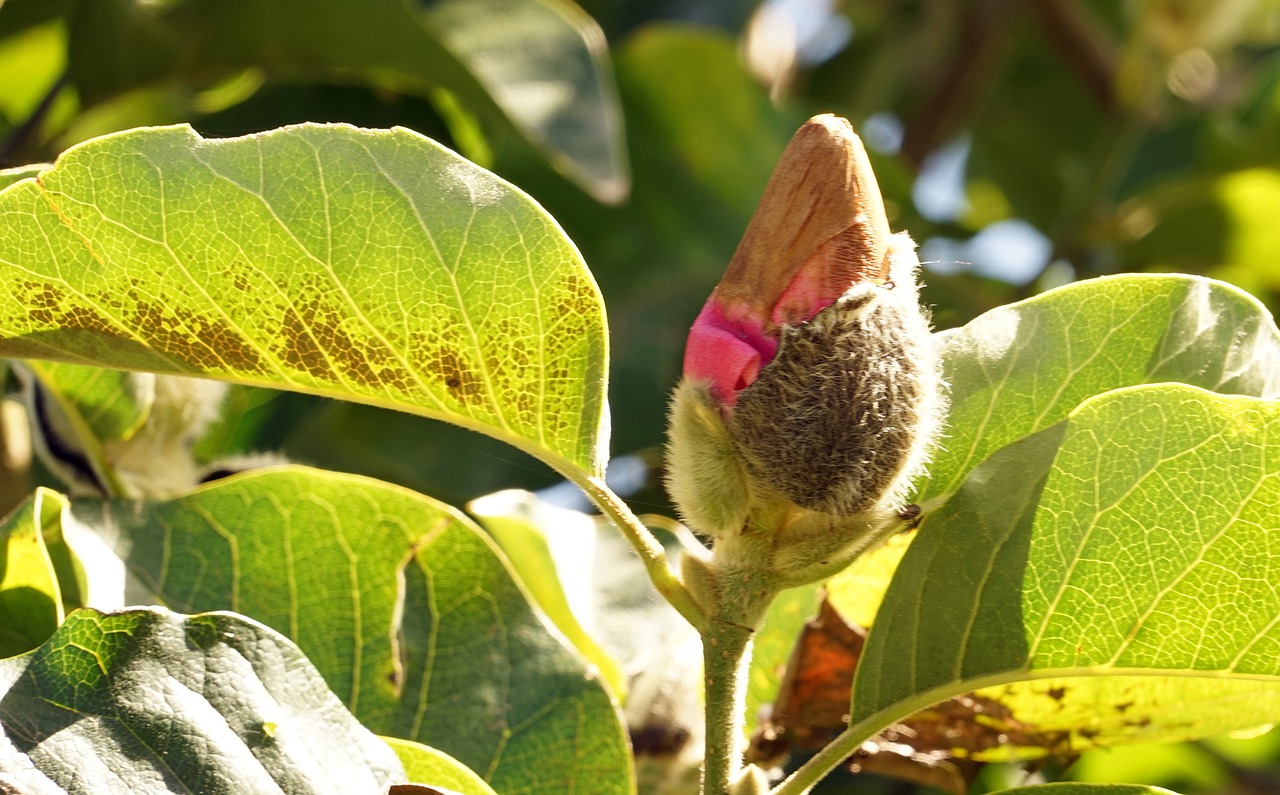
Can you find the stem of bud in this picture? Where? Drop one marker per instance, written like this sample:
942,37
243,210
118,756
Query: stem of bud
726,656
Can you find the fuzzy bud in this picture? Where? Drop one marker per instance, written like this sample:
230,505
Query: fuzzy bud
811,394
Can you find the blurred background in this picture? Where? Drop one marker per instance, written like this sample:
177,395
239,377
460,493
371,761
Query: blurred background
1023,143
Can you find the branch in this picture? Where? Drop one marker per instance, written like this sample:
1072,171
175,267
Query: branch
977,52
1084,45
20,135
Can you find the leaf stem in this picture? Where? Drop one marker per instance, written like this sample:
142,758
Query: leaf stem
726,656
830,757
647,546
849,740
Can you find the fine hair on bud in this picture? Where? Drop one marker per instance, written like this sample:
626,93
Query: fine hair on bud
844,417
704,473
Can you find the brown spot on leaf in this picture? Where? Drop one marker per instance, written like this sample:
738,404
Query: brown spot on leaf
299,349
315,340
206,344
442,356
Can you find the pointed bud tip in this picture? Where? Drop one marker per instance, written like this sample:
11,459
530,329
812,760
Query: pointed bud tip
820,228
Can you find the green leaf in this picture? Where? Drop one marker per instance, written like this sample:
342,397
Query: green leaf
8,176
1213,223
111,404
423,765
404,607
545,63
541,66
1109,579
550,549
729,152
375,266
30,62
1071,788
149,701
30,600
857,591
1022,368
773,644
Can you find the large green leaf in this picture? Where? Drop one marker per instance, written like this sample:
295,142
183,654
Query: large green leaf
150,701
1072,788
30,600
1021,368
404,607
423,765
370,265
540,65
1108,579
551,550
545,63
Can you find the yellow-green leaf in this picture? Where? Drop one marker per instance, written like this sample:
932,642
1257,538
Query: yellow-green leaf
1109,579
371,265
30,600
425,765
403,605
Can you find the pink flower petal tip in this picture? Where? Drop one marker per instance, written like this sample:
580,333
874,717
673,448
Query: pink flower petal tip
726,353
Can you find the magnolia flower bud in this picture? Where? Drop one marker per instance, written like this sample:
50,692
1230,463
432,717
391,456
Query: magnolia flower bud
811,392
840,420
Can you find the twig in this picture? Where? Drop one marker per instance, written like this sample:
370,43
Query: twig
650,550
976,54
1084,44
20,135
726,656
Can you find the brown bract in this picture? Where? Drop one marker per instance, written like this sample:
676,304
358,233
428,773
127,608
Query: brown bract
821,213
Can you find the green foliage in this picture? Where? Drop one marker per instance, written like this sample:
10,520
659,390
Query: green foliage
128,701
429,765
1093,557
1084,789
30,599
1021,368
379,266
399,601
1089,551
525,529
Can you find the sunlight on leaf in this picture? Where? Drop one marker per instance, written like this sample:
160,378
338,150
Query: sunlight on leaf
375,266
1071,788
1021,368
425,765
551,549
30,600
144,700
402,604
1128,542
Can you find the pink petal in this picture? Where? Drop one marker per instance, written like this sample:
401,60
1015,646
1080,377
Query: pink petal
726,353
